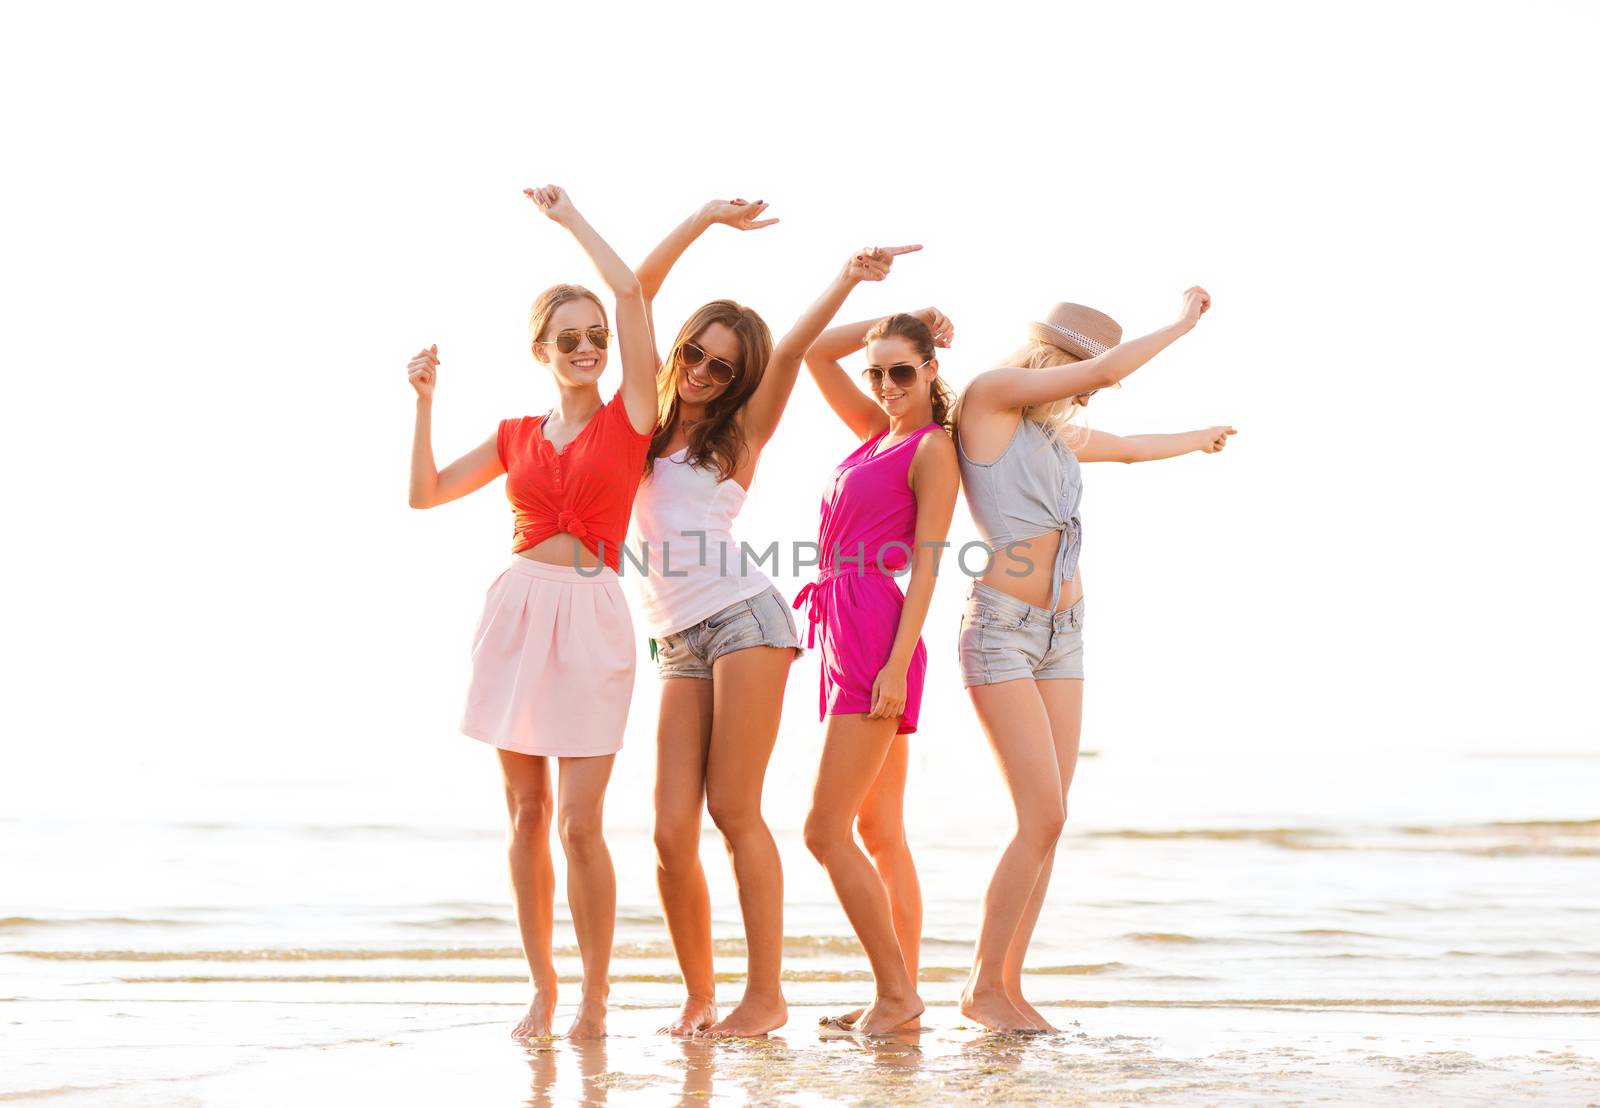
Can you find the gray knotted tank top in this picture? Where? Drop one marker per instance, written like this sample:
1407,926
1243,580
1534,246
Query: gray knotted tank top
1035,486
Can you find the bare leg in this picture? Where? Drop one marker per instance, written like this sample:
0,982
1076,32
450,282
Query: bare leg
533,881
591,884
1014,718
882,827
683,734
749,699
1063,702
852,754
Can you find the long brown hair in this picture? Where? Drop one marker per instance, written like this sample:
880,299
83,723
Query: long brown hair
718,439
918,334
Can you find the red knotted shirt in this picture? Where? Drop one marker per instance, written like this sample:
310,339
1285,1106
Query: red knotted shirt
585,489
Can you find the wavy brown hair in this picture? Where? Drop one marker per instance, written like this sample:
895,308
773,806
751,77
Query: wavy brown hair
718,439
917,333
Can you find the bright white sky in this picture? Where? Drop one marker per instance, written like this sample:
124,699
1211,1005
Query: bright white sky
226,229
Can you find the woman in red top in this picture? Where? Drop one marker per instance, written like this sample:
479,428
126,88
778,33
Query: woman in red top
553,656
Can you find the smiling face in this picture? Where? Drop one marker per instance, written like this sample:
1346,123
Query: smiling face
696,387
896,400
584,364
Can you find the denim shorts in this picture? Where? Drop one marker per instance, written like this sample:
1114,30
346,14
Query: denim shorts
1004,639
763,620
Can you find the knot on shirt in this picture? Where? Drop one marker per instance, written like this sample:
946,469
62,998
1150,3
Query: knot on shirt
571,524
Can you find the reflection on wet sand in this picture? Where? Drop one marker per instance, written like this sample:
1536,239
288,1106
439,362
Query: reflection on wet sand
896,1054
586,1074
1418,959
1257,1056
699,1068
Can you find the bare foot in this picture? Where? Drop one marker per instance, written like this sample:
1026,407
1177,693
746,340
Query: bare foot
993,1010
754,1015
888,1014
697,1014
590,1022
847,1022
843,1023
1030,1013
536,1023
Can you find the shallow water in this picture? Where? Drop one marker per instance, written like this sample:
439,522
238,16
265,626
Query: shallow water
1187,958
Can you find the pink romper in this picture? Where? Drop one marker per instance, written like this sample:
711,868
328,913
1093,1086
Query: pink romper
869,523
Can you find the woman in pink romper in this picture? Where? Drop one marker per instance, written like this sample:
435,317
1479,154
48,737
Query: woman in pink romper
887,510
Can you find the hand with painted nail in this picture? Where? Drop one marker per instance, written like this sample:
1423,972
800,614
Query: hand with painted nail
944,332
872,263
740,214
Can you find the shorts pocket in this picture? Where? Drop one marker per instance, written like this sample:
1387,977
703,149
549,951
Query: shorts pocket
676,657
788,620
969,643
775,619
1001,619
718,620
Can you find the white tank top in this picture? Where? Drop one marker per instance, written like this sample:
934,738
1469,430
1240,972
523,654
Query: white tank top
692,568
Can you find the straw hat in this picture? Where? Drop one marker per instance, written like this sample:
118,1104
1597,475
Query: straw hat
1081,332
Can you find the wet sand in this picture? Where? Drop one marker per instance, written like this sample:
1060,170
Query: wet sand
461,1054
274,958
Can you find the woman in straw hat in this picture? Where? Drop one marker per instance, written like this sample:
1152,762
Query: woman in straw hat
1021,631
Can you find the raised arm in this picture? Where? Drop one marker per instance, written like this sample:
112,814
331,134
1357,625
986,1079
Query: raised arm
777,383
1011,387
1103,447
431,487
634,338
849,403
935,478
739,214
845,339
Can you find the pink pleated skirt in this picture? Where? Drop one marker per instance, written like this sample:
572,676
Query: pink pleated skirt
552,662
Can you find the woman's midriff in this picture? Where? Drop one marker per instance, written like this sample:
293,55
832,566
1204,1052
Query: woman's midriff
1011,574
561,549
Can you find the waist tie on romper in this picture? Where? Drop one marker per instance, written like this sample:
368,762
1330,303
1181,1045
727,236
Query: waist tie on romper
816,597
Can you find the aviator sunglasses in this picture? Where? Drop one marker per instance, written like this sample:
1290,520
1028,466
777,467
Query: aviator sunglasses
718,370
567,341
900,373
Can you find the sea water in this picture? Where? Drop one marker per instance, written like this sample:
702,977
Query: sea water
231,928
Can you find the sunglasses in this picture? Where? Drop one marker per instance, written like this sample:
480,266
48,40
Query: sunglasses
718,370
567,341
900,373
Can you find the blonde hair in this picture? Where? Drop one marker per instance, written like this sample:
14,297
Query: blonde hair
1056,416
546,303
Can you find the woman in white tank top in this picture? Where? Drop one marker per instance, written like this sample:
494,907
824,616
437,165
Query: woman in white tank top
722,636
